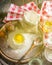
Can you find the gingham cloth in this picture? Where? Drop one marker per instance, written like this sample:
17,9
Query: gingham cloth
47,39
46,10
16,12
46,14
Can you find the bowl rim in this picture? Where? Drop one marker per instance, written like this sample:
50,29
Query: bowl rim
13,60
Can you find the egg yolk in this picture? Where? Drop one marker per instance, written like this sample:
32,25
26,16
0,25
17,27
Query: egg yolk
47,26
19,38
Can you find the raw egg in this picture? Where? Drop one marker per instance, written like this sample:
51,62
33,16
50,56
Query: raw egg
18,40
20,43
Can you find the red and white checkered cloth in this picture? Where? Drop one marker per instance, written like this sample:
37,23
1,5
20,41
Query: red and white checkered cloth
16,12
46,10
47,38
46,14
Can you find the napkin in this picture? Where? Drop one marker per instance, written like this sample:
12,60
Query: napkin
46,10
16,12
46,16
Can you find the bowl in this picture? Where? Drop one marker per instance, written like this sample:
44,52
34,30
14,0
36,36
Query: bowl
10,53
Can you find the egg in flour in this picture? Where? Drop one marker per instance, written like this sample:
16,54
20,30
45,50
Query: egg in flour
19,40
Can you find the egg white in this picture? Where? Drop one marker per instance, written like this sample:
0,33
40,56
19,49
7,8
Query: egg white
23,48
